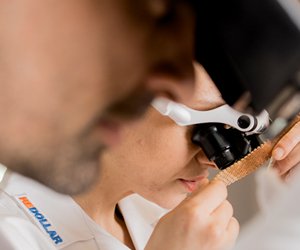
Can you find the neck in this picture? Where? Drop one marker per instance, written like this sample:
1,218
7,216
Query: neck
100,203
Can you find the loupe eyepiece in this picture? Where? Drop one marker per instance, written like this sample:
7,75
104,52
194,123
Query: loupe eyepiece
223,145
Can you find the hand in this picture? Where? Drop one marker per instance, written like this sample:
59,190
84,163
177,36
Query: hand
202,221
286,153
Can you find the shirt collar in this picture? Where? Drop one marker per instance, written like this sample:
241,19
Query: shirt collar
67,218
140,216
2,172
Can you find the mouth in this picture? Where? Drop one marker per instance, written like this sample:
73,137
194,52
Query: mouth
191,184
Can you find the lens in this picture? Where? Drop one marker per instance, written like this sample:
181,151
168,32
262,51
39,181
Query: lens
210,137
223,145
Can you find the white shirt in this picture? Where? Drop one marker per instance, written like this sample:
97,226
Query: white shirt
33,216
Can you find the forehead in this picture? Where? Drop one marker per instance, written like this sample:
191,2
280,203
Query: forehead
206,94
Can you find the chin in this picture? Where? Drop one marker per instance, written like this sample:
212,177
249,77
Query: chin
169,201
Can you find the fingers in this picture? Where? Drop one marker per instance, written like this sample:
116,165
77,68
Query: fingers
223,228
231,233
292,174
210,210
202,221
213,193
222,215
287,143
287,152
289,162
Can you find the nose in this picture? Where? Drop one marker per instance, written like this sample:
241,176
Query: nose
173,45
203,160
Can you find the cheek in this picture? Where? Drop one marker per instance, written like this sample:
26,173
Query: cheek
163,154
146,168
154,150
172,154
161,163
156,173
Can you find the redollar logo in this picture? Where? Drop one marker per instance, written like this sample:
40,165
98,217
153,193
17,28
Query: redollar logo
42,220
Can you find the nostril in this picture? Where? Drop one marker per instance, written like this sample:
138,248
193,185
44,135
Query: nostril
201,158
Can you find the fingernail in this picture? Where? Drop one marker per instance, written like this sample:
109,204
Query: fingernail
270,163
278,153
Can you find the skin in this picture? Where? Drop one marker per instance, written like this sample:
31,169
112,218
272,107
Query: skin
286,153
203,219
157,160
72,72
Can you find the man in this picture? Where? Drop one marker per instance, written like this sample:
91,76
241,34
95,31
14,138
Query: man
73,71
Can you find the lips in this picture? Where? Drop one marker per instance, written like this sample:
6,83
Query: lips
191,184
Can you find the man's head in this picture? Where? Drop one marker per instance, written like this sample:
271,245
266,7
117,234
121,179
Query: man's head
72,71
